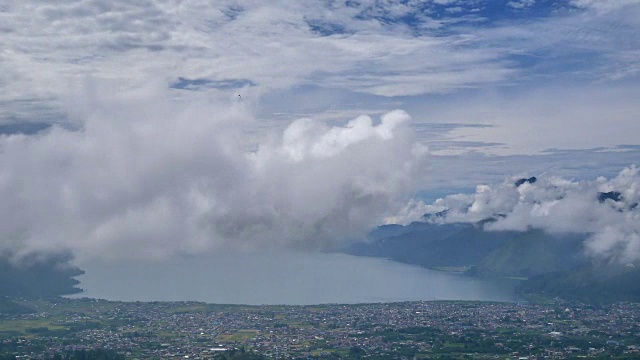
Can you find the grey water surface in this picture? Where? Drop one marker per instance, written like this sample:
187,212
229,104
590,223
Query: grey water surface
282,278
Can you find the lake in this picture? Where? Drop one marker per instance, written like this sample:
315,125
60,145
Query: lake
282,278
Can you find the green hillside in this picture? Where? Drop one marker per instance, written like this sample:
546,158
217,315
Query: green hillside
591,283
490,253
532,253
554,265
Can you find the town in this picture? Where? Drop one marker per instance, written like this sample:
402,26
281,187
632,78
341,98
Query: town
407,330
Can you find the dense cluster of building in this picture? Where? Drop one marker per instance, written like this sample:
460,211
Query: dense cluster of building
409,330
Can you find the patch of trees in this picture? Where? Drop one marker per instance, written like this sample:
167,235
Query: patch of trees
9,307
591,284
97,354
239,354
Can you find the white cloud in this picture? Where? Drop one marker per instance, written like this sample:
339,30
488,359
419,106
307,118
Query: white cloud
604,5
48,46
445,2
557,205
521,4
144,176
129,166
413,211
540,119
589,44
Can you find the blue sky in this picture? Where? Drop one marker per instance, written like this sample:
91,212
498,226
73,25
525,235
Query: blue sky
492,89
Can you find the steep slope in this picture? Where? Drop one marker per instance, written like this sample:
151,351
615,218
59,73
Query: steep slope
555,265
532,253
432,245
489,253
592,283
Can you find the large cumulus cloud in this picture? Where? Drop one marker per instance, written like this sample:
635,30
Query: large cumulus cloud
140,175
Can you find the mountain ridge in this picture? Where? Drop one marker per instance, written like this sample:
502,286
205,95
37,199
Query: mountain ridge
552,265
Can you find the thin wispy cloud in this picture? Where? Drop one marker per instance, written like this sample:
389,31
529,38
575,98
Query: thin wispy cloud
541,118
387,48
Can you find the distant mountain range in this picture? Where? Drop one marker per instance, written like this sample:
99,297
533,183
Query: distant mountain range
553,265
485,253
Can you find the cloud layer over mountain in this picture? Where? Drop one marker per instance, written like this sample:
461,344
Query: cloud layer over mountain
607,210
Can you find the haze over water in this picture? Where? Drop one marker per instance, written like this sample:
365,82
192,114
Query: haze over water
282,278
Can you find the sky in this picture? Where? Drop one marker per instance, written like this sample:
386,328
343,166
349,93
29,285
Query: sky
155,128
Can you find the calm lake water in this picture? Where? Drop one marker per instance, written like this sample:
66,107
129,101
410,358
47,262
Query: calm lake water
282,278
